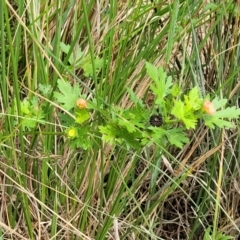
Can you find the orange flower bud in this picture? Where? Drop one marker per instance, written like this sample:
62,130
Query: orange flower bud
81,103
208,107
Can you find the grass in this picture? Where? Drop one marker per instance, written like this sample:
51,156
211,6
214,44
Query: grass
52,191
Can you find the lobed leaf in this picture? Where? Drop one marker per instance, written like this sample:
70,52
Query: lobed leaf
193,100
68,95
162,83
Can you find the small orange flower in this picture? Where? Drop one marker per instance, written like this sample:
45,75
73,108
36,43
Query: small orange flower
81,103
208,107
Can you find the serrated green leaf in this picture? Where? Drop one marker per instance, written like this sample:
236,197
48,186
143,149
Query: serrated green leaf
160,87
78,55
135,117
190,122
135,98
120,135
68,96
25,107
127,124
219,103
82,115
32,113
193,101
216,119
162,83
44,89
130,140
82,140
168,85
179,111
174,136
230,112
109,133
157,132
86,64
152,71
34,102
29,122
177,137
157,136
65,48
162,76
175,91
211,121
65,119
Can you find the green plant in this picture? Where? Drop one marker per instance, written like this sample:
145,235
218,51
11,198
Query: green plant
178,113
219,236
32,112
124,189
79,60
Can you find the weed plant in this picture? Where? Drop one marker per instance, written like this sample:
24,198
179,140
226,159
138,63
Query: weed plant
119,119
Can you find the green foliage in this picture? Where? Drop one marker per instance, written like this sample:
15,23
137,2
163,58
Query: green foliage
181,112
82,138
115,134
175,91
125,127
82,115
32,113
86,64
78,60
162,84
130,127
94,186
174,136
77,56
193,100
45,90
217,117
109,133
78,131
188,110
68,95
218,236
